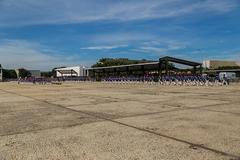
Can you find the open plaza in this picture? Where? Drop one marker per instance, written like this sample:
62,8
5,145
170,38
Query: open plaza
119,80
109,121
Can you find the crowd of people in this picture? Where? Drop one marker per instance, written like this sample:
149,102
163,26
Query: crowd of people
180,80
44,80
34,80
185,80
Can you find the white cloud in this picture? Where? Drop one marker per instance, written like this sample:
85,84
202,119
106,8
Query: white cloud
175,45
121,37
153,49
161,46
20,53
29,12
109,47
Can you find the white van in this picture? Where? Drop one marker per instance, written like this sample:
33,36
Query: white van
227,75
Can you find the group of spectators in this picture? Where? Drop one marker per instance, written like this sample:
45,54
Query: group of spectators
34,80
185,80
193,80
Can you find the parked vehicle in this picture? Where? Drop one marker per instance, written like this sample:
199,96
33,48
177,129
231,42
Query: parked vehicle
227,75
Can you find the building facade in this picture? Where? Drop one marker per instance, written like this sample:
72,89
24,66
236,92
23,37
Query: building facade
222,67
77,71
35,73
216,64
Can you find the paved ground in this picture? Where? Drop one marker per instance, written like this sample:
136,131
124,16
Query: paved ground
93,121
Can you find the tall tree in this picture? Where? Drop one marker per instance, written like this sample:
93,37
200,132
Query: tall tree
103,62
9,74
24,73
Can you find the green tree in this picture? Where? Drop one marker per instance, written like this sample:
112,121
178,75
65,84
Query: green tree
24,73
9,74
104,62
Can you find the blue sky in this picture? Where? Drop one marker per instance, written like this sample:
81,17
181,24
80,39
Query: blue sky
48,33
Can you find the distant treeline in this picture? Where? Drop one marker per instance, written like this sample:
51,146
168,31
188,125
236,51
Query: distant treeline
12,74
104,62
9,74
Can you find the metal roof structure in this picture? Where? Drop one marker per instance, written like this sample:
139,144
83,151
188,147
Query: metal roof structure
155,65
179,61
139,68
130,67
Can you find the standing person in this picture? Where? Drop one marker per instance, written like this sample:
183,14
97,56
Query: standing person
34,80
225,80
228,81
19,80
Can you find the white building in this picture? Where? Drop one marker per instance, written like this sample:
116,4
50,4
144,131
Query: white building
206,64
1,73
77,71
215,64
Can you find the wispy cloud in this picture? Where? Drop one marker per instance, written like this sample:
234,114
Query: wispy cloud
29,12
20,53
153,49
122,37
161,46
109,47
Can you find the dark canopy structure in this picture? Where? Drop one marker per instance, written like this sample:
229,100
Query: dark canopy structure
180,61
163,63
158,66
150,66
127,69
